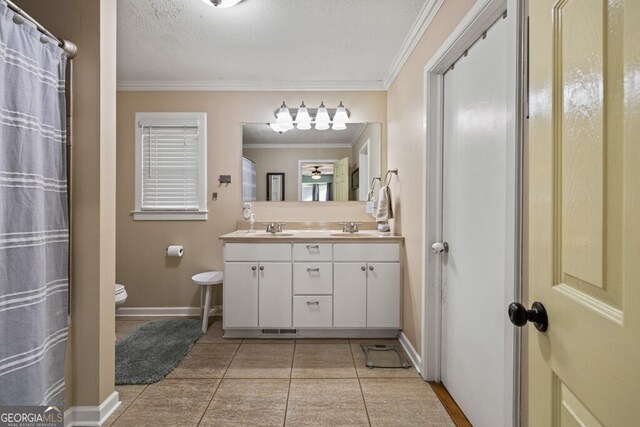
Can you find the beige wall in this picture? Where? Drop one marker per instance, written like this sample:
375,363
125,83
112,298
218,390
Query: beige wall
92,25
151,279
286,160
406,142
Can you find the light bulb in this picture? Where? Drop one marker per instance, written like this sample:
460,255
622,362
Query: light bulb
322,125
317,176
338,126
304,126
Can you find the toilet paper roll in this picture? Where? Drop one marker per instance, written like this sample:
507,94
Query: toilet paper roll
175,250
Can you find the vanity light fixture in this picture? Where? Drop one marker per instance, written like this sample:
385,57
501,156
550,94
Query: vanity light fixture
341,115
316,173
284,117
303,117
222,3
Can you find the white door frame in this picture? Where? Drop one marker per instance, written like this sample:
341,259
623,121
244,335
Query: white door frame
303,161
481,16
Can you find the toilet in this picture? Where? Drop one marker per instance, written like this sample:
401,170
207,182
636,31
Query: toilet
121,295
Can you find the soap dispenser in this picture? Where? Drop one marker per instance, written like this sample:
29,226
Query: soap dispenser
252,221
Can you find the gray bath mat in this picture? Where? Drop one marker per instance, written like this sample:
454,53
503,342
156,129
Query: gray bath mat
384,356
150,352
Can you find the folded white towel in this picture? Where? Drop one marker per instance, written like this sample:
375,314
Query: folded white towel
385,210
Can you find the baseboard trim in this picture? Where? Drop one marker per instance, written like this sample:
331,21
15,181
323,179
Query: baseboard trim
92,416
133,312
416,360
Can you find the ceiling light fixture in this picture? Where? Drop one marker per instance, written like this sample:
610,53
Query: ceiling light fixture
316,173
222,3
304,117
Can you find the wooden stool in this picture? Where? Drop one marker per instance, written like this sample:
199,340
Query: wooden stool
206,280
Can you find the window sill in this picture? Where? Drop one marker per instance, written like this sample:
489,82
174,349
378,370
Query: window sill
170,215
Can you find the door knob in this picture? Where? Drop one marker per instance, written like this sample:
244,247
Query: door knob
519,315
439,247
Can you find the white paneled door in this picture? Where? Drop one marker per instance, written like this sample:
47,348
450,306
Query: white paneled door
584,212
475,210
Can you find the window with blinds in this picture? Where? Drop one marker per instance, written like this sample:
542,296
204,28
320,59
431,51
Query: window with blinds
170,166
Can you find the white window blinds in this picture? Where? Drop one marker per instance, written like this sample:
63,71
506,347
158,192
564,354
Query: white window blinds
171,165
248,180
170,161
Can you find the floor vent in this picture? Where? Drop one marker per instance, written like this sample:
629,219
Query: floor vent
279,331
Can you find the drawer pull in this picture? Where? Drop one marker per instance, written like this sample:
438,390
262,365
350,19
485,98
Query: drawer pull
313,303
313,270
313,247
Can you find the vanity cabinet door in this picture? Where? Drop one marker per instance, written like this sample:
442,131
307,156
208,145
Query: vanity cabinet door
241,295
383,295
274,290
349,295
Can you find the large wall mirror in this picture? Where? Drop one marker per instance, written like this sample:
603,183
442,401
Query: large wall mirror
310,165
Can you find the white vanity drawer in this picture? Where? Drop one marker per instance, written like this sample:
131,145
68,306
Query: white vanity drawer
312,278
257,252
312,252
366,252
312,311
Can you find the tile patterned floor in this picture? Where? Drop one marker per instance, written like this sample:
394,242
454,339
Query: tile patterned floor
303,382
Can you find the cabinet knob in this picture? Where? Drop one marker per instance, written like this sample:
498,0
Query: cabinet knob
363,268
262,268
254,268
371,268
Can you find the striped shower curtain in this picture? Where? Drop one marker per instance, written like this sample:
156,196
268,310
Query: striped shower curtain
34,235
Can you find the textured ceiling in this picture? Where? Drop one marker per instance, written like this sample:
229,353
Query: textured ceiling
257,134
266,42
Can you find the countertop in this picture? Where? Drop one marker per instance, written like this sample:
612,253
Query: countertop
262,236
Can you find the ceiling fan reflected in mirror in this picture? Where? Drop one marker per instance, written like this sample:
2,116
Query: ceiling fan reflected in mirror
315,174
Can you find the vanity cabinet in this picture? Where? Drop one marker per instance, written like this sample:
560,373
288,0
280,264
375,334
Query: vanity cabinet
366,285
258,288
326,288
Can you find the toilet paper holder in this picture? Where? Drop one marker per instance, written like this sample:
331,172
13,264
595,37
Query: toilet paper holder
175,250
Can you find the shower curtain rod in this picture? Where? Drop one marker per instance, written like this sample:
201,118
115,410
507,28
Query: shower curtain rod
69,47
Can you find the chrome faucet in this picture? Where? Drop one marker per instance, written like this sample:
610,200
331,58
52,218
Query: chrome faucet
350,227
274,227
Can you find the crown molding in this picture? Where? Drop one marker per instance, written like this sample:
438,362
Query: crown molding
227,85
284,145
426,15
